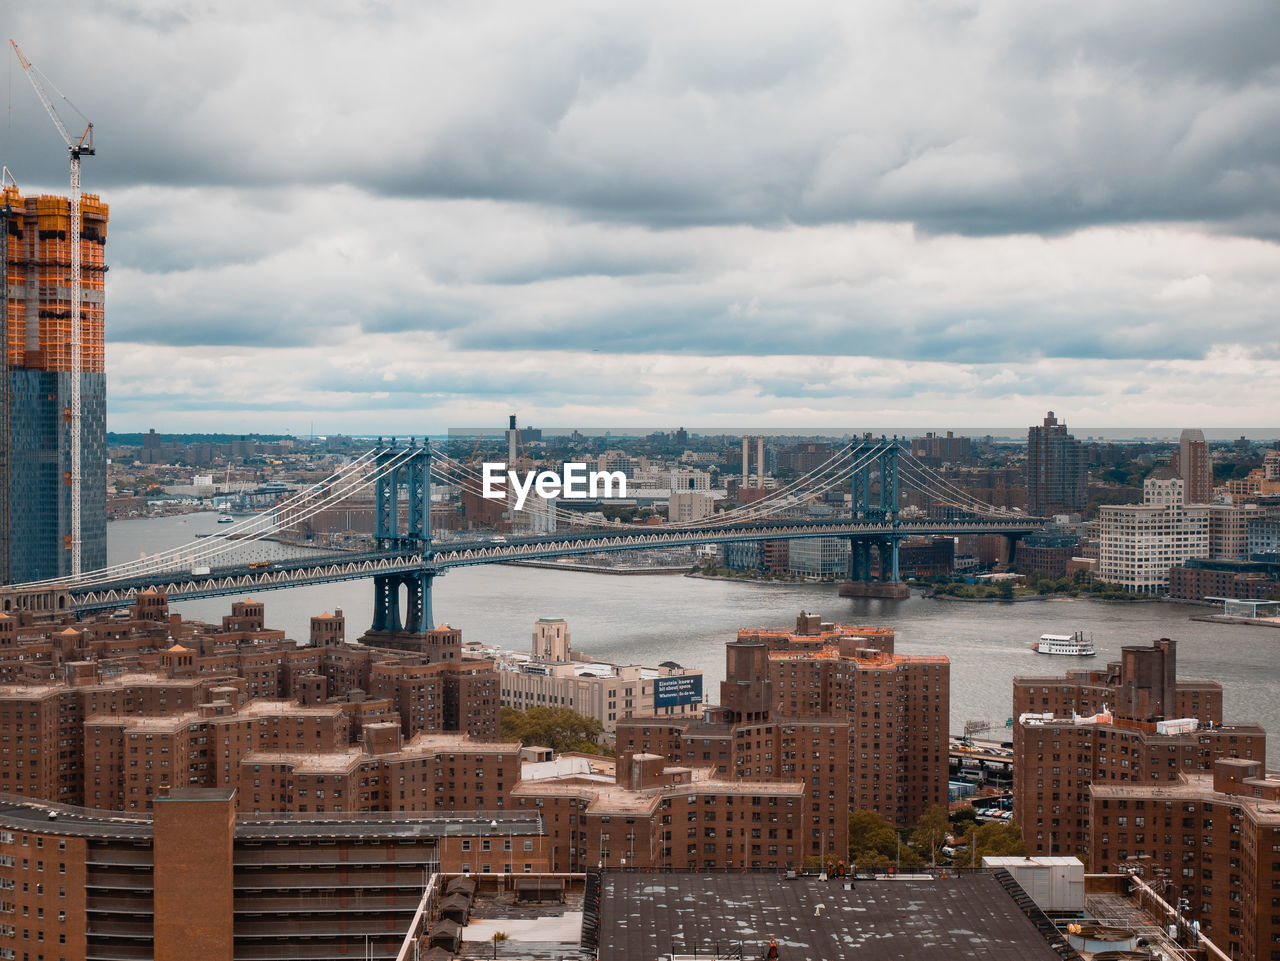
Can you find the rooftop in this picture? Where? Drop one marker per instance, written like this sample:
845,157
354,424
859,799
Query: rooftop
17,814
644,916
607,796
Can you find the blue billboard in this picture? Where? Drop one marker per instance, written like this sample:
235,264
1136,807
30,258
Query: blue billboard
670,691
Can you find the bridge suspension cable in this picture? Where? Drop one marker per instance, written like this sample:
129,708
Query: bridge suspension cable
341,484
944,490
841,461
771,501
766,505
246,532
469,476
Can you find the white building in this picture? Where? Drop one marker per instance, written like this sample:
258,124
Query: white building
1164,491
1229,530
1271,466
691,505
555,676
1138,543
538,516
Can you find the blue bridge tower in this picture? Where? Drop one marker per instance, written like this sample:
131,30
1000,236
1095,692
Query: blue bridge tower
407,468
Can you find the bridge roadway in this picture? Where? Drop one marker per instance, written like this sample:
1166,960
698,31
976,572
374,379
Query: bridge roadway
439,557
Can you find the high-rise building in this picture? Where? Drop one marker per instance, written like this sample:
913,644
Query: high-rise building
1208,838
1139,543
35,331
1055,470
891,710
1134,723
1194,467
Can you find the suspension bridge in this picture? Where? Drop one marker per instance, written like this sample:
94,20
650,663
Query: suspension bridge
405,558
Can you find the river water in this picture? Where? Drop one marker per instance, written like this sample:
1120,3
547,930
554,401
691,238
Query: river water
648,619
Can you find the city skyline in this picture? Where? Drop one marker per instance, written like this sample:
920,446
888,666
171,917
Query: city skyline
414,218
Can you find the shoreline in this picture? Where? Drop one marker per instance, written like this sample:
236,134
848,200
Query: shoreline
1233,620
755,580
588,569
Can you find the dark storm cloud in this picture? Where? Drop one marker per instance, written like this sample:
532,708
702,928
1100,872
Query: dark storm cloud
992,119
934,206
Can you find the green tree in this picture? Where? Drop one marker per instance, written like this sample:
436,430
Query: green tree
994,840
558,728
874,843
930,832
963,820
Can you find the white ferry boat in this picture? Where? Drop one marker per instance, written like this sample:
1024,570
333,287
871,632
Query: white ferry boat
1066,645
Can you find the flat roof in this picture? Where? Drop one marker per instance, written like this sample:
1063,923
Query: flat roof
643,916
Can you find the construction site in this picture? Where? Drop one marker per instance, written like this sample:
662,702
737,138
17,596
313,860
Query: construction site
53,382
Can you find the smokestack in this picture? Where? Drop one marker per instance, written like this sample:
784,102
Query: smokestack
746,455
760,461
511,442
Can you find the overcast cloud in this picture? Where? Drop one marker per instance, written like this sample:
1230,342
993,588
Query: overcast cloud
394,217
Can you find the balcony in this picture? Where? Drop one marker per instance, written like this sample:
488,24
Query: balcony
354,856
275,904
139,930
353,948
119,857
139,905
118,952
120,880
370,878
344,927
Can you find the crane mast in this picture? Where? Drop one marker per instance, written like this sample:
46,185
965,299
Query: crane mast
76,148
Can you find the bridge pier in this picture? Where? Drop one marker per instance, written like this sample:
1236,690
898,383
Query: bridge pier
386,603
883,453
410,466
419,618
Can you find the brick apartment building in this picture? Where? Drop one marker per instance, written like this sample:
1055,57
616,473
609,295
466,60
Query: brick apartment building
198,881
1239,580
1209,840
116,712
892,711
263,746
642,812
1133,723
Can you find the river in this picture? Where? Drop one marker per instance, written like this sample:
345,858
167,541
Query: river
648,619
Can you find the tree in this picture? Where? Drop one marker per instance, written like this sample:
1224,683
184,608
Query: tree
930,832
558,728
963,820
995,840
873,843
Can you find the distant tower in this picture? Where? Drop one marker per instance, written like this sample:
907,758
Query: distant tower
1194,467
35,332
551,639
1055,470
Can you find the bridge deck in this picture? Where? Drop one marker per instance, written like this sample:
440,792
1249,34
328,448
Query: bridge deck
407,555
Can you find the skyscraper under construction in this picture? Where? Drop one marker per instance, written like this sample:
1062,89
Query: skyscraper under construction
35,387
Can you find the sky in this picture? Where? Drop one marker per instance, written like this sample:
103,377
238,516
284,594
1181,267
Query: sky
397,217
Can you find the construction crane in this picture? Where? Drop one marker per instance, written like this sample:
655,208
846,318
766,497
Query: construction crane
78,148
